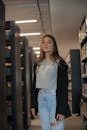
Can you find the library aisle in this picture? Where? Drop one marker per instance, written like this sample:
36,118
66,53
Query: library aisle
72,123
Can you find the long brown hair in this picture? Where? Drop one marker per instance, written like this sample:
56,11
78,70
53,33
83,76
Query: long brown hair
55,54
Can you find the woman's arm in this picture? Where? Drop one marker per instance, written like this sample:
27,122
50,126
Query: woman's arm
62,91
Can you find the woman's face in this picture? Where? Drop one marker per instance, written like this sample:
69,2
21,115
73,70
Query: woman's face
47,45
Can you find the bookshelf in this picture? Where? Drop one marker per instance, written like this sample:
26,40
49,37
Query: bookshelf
25,70
13,76
3,104
83,45
74,80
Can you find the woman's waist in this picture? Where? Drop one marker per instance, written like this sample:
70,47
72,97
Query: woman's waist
47,90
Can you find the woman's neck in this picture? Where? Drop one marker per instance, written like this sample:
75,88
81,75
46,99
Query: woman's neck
47,57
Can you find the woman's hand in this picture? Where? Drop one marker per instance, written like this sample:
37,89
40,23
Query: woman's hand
60,117
33,112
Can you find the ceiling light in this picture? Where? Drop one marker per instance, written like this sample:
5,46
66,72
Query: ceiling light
26,21
38,56
36,48
30,34
37,52
86,21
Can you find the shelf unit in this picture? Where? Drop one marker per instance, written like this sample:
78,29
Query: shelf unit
3,105
83,44
13,76
25,69
74,80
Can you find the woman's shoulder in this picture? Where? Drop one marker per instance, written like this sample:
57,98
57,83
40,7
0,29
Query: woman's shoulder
63,64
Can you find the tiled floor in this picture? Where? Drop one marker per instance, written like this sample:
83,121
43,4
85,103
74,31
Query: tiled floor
72,123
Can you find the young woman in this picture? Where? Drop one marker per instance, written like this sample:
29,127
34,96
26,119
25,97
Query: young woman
50,83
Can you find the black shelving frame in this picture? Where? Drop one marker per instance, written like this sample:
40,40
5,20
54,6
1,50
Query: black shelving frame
74,76
3,105
76,80
15,115
83,45
25,64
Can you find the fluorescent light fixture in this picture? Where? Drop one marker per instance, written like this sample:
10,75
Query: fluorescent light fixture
86,21
38,56
37,52
26,21
36,48
30,34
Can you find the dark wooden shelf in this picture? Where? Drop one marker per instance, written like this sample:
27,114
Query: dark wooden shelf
84,96
84,59
83,41
83,45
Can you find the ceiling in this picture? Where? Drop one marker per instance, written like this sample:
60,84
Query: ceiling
66,18
27,10
62,18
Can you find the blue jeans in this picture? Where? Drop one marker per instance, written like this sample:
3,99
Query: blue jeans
47,109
